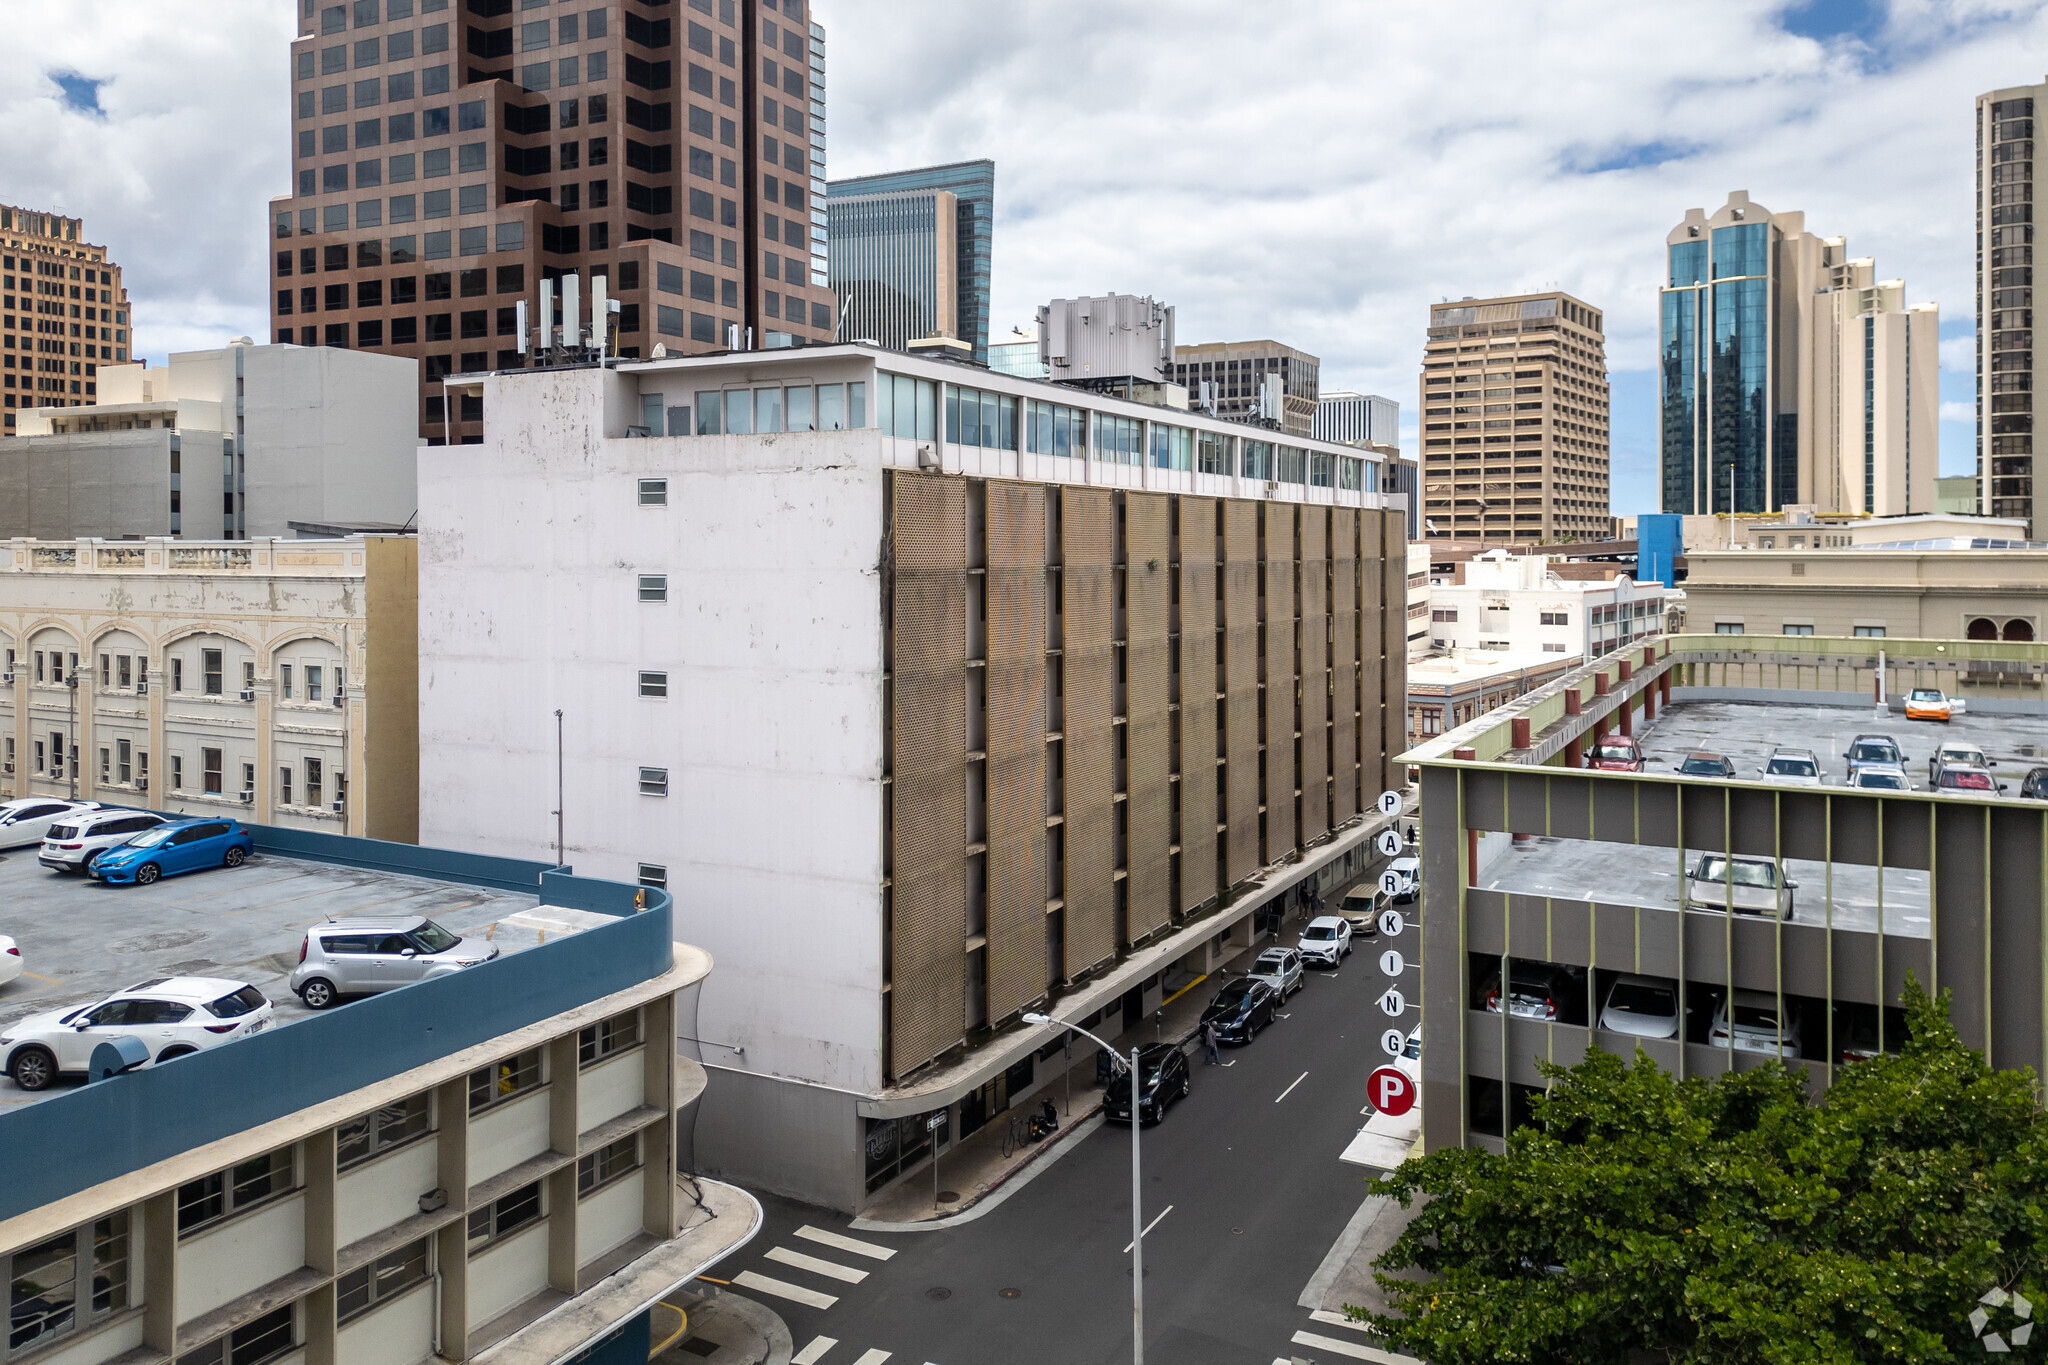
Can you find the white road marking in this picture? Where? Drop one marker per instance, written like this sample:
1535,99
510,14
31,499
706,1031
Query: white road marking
1148,1228
1337,1320
1290,1089
872,1357
817,1266
833,1239
815,1352
747,1279
1351,1349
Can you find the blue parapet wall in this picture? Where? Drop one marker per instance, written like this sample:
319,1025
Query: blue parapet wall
99,1132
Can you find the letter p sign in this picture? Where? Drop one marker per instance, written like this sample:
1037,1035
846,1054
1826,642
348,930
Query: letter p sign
1391,1091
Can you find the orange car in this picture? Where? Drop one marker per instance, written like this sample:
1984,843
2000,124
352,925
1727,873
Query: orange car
1928,703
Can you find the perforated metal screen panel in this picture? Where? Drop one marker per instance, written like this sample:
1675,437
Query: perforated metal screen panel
1087,522
1344,798
1148,813
1392,604
1017,685
1315,673
1372,740
928,769
1198,688
1279,674
1240,570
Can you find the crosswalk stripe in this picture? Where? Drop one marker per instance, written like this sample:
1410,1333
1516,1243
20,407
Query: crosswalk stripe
817,1266
747,1279
1351,1349
1337,1320
873,1357
815,1352
835,1240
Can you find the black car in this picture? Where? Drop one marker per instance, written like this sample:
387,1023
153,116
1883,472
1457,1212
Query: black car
2034,787
1241,1009
1164,1078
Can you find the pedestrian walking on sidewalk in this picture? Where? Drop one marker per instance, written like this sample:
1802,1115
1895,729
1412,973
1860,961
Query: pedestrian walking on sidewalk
1210,1037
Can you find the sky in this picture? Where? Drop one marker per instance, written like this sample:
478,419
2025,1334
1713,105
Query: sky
1317,173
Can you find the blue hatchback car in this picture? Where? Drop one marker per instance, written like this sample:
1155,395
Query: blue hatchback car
167,850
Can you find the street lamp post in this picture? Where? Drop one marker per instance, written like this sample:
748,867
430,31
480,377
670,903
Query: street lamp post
1137,1185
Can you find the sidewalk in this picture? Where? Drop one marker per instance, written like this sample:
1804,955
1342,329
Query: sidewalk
975,1167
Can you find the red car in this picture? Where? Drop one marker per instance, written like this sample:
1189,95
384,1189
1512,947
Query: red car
1616,754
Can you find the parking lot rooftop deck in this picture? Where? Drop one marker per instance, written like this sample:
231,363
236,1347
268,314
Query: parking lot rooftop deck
81,940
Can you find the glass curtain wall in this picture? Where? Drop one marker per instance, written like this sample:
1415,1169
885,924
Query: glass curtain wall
1740,393
1683,421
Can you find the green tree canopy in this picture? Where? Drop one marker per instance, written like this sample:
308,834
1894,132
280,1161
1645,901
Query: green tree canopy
1731,1219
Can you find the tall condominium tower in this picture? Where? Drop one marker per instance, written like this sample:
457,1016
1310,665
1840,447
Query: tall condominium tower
911,249
1514,420
2006,358
1790,374
447,161
1357,419
63,315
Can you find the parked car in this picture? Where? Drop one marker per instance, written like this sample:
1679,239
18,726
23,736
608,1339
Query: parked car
1361,908
1279,968
366,954
1757,1026
1644,1006
1759,886
2034,786
172,847
72,844
1956,779
1704,765
172,1016
10,960
1616,754
28,820
1326,940
1538,990
1930,703
1957,753
1881,750
1241,1009
1409,869
1162,1079
1881,777
1792,768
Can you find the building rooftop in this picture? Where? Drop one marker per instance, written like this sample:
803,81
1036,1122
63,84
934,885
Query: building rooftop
1469,666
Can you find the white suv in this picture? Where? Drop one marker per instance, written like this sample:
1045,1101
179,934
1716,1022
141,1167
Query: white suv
1326,940
75,840
26,821
171,1016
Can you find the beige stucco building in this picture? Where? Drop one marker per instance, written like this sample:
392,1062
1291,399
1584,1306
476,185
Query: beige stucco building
1925,594
274,680
1803,528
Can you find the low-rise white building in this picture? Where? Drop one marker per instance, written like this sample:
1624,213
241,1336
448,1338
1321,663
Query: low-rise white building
222,444
1447,690
271,680
1514,602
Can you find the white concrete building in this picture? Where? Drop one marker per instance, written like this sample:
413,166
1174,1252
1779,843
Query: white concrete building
269,680
221,445
1513,602
1418,600
876,664
1359,419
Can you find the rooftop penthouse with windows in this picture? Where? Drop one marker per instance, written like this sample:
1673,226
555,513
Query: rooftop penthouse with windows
492,1165
946,695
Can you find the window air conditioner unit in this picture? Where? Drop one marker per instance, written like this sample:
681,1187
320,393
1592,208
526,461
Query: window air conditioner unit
7,679
142,784
340,699
248,694
1272,485
338,804
927,458
248,796
142,687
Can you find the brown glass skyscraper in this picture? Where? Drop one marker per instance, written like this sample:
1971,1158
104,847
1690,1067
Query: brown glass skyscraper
63,315
446,160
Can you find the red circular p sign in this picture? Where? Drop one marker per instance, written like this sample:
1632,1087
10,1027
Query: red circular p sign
1390,1090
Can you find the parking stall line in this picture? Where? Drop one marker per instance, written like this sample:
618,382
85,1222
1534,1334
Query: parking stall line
1290,1089
1148,1229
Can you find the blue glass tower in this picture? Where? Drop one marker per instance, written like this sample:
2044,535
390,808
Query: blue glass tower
973,184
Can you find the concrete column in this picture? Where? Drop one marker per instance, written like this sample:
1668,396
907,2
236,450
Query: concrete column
159,1243
658,1212
451,1249
1627,714
1664,686
561,1192
1519,732
263,805
322,1200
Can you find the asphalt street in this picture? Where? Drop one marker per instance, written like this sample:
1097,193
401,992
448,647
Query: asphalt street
1242,1178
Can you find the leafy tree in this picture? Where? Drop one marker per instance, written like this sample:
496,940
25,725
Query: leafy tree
1644,1218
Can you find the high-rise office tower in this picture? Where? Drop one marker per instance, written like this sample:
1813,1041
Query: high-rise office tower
911,250
1358,419
1239,368
447,161
1789,373
1514,420
2006,358
63,315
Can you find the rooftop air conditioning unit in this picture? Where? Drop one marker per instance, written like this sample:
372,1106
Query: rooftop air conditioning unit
248,694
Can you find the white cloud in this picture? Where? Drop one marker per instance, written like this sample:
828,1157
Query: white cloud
1959,412
1959,354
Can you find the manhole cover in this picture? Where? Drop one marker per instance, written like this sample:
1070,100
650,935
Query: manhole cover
949,1196
1011,1293
697,1346
938,1291
1237,1230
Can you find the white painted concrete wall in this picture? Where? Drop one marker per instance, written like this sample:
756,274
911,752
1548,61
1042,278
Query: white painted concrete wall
379,1193
506,1134
240,1255
609,1216
99,1347
400,1332
609,1089
513,1270
772,730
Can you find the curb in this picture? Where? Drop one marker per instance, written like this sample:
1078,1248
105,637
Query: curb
758,1316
